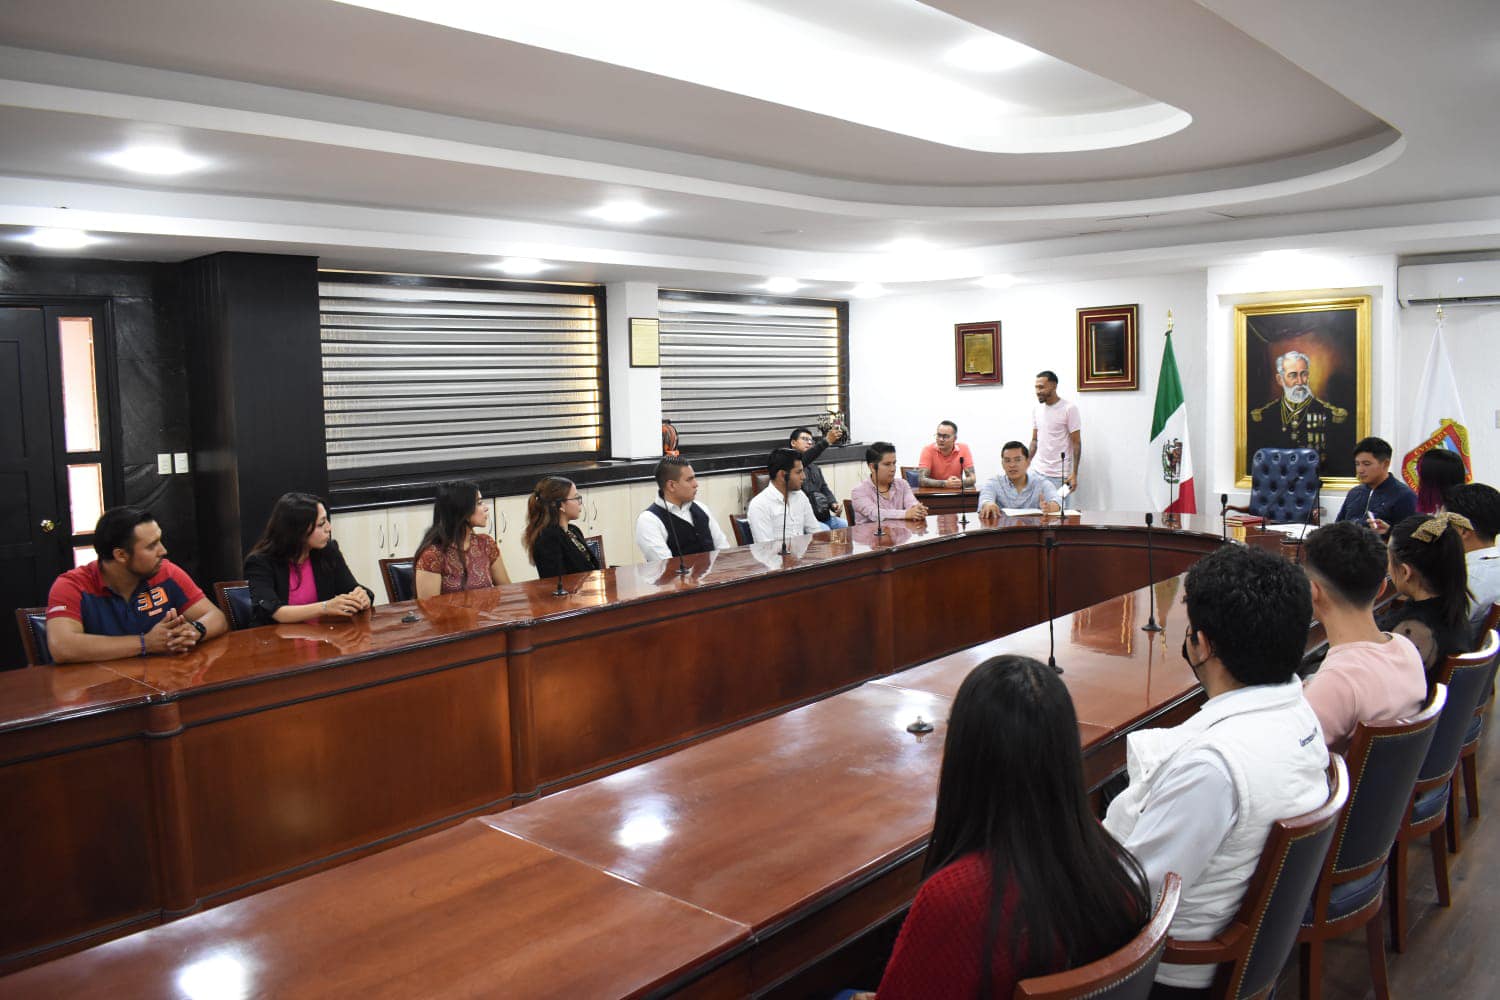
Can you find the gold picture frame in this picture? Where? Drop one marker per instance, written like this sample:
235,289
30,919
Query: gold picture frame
1324,348
1108,349
976,354
645,343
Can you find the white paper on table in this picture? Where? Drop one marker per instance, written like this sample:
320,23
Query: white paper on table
1024,511
1298,531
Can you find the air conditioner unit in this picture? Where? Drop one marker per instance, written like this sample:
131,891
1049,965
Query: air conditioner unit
1475,282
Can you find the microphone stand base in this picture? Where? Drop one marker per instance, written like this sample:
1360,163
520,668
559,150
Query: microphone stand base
682,569
1052,662
1151,626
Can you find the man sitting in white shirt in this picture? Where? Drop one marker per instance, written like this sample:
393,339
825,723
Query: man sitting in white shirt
1203,795
769,511
1481,505
675,523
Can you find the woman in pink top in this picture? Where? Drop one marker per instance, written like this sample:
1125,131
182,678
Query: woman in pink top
884,487
454,555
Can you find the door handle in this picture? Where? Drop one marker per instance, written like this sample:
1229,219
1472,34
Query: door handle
48,525
380,536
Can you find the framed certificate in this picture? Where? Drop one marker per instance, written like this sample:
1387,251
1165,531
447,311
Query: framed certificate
976,348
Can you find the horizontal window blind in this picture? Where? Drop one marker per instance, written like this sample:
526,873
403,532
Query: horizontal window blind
742,371
419,373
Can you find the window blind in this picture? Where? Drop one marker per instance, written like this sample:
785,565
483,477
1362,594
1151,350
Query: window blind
420,374
742,370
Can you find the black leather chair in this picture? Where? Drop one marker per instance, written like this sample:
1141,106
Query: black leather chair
1124,975
400,577
1383,759
233,598
1468,758
1466,676
595,545
32,624
1283,484
741,526
1252,949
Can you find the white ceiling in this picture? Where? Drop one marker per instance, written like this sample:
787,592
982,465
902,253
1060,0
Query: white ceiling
378,141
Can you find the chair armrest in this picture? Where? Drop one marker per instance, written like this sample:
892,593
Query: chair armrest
1227,947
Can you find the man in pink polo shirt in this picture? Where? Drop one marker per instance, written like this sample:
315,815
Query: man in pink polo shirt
1368,675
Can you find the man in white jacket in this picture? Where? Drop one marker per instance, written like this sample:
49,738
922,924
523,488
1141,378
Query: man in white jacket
1203,795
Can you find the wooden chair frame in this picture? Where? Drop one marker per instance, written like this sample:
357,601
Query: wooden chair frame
1231,947
221,598
28,639
1468,757
1098,978
390,579
1311,939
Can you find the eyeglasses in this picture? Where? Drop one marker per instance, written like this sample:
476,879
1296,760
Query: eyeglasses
574,499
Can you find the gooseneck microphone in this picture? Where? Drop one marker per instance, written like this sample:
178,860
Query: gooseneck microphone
1150,625
1224,516
875,485
786,506
1312,508
682,569
1051,544
962,504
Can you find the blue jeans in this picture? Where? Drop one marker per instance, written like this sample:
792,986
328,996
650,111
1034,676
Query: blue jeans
835,522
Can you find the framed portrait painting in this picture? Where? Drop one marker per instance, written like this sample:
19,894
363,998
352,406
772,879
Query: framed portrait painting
1302,380
976,349
1108,349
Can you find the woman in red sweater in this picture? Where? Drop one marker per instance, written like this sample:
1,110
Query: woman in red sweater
1021,880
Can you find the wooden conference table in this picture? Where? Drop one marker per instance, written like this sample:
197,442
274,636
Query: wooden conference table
741,865
140,790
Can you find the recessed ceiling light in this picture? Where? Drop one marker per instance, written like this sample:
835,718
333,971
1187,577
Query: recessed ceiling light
782,286
908,245
161,161
867,290
624,211
993,54
59,239
997,281
522,265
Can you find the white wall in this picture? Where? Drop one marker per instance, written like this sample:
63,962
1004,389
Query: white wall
1473,336
901,375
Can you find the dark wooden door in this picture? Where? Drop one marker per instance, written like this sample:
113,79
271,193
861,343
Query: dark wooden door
33,531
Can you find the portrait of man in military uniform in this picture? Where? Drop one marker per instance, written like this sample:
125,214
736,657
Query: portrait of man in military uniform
1297,418
1303,382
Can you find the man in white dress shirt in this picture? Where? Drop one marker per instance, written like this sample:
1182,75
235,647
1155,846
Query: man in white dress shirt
1480,503
675,523
1203,795
770,509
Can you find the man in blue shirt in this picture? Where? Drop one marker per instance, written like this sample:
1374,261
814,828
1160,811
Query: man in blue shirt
1015,488
1380,499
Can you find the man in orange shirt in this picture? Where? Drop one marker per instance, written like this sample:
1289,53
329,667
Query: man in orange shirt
943,462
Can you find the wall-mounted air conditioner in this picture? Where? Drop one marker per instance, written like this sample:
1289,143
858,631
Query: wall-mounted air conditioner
1475,282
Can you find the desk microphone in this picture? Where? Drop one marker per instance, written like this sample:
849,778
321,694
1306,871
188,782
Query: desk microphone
1065,475
1150,625
561,591
786,507
963,519
879,531
1224,516
1307,518
1051,544
682,569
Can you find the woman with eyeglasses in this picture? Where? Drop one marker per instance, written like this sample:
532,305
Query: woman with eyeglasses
554,541
456,554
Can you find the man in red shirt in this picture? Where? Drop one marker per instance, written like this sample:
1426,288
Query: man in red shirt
944,461
131,601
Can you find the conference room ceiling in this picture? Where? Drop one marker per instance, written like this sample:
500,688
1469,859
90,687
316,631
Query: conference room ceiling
370,138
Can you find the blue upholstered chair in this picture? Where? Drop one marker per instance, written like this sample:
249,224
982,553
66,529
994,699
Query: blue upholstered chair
1283,484
1252,949
741,525
1124,975
595,545
1384,760
400,577
913,476
1467,676
1468,758
32,624
233,598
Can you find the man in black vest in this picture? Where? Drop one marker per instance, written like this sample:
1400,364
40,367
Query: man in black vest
675,524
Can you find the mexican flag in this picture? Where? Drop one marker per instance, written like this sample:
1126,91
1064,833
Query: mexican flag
1439,418
1169,460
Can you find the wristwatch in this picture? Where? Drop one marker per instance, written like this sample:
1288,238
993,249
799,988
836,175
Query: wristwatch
202,629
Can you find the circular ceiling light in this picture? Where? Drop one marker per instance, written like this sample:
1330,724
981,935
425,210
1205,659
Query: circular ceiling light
782,286
990,54
158,161
522,266
59,239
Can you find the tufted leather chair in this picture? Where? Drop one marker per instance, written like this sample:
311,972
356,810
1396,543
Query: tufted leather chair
400,577
32,624
233,598
1283,484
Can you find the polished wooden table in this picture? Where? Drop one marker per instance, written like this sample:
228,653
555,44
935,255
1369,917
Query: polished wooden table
140,790
738,866
939,501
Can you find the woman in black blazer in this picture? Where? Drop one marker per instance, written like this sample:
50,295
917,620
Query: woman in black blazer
553,540
296,571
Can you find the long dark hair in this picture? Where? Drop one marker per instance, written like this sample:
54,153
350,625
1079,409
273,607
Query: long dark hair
1438,471
1439,562
451,509
291,521
1012,788
543,509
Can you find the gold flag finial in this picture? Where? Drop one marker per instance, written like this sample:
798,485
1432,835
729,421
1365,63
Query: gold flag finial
1440,314
1169,321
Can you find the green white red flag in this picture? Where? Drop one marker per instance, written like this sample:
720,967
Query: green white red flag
1169,460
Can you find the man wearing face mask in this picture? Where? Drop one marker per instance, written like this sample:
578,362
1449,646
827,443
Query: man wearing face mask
1203,795
1298,418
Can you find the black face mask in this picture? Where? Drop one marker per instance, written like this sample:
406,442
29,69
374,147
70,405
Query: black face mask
1189,660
